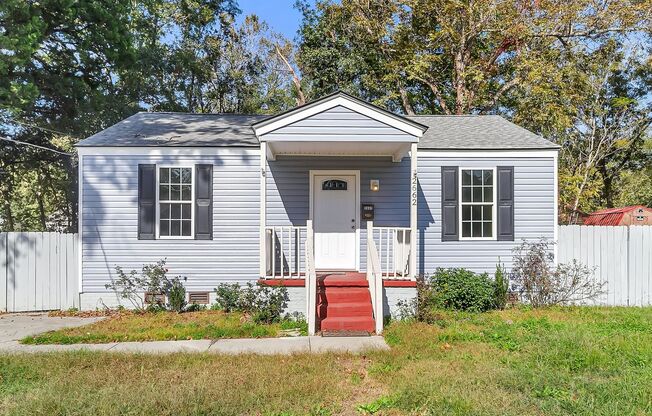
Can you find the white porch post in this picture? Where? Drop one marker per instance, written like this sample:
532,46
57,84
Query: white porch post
263,208
414,195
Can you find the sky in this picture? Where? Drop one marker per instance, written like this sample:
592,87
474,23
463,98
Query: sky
280,15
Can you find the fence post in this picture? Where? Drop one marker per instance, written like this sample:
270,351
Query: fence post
3,271
628,272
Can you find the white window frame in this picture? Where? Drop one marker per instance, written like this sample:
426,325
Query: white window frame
192,203
494,220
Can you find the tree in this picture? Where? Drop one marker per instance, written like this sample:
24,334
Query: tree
451,57
602,119
69,69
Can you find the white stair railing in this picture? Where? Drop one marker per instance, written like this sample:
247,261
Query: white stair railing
375,278
394,251
283,257
311,281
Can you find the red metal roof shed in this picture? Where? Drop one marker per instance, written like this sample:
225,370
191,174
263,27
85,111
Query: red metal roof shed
632,215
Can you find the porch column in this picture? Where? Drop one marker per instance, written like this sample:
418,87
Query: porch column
414,195
263,208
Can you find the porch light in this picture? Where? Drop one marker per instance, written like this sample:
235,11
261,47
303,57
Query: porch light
374,185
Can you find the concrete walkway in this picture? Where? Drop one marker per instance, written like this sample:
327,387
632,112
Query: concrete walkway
264,346
14,327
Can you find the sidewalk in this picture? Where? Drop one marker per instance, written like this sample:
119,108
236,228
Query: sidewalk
265,346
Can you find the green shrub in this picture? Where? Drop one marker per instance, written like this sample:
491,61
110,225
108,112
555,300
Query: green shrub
176,295
265,304
460,289
501,287
227,297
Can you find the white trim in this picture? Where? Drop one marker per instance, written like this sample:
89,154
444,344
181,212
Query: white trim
80,227
494,204
263,210
334,102
556,209
487,153
168,151
302,154
192,203
414,198
327,172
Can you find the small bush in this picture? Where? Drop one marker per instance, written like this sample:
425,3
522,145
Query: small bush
176,295
228,297
501,287
458,289
265,304
130,285
152,279
463,290
541,283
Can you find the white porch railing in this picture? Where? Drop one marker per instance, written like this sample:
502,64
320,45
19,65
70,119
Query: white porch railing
311,281
375,280
283,252
393,249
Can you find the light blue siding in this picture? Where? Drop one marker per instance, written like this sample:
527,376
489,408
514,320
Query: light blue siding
534,213
339,124
109,212
288,190
110,221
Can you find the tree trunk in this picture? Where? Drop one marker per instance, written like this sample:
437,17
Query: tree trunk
607,189
41,209
407,106
6,207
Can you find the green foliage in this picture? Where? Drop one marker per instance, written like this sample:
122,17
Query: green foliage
457,289
69,69
264,303
501,286
461,289
376,406
175,293
152,279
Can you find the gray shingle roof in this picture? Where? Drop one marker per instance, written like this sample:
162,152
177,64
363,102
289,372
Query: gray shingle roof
484,132
179,129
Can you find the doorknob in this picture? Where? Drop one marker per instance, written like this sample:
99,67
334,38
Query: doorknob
353,220
353,227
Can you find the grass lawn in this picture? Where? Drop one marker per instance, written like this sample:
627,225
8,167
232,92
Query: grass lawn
586,361
162,326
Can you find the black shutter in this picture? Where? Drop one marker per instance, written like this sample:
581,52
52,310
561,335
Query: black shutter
146,202
505,203
449,203
203,202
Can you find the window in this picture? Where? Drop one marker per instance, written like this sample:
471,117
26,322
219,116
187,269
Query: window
477,203
175,201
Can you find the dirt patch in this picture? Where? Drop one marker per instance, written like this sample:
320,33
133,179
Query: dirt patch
365,388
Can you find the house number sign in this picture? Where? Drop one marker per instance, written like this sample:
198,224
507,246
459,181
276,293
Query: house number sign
414,189
334,185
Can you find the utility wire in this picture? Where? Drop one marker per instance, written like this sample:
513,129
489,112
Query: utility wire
34,145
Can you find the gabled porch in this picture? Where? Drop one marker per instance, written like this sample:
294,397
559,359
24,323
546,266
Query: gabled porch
339,201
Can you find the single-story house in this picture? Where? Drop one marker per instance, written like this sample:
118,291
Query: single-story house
341,201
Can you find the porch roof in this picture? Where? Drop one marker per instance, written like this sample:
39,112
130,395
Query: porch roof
338,125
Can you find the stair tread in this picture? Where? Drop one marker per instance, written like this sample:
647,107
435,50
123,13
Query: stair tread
348,318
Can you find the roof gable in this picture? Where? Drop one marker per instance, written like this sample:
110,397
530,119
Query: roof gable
343,101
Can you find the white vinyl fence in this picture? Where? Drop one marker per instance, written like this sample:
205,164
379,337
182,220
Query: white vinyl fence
622,257
38,271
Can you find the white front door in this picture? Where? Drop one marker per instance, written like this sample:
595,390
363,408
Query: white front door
334,217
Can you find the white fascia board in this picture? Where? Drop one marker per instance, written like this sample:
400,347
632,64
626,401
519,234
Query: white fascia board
168,151
487,153
338,101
